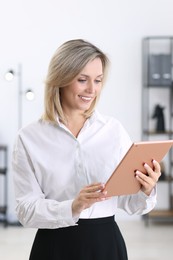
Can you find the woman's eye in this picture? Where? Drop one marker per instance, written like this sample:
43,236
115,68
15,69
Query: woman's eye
98,81
82,80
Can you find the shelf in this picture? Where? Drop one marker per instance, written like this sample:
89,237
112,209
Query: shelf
165,216
161,214
167,179
166,86
158,133
159,86
158,37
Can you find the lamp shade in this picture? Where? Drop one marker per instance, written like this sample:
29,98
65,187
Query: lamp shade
9,75
29,94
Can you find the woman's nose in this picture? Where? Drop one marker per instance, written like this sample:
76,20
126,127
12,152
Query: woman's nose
90,87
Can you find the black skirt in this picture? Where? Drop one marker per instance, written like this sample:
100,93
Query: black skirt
91,239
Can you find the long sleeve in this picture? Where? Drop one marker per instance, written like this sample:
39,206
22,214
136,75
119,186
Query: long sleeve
138,204
33,209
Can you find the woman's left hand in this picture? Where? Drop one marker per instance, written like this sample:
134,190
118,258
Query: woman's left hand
149,180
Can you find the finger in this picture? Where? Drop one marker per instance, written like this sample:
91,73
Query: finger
143,181
147,183
95,187
157,167
154,174
91,197
148,169
142,176
93,184
95,195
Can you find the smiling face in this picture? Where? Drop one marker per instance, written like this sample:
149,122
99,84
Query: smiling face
86,86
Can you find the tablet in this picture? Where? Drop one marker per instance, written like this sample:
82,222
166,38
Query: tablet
123,180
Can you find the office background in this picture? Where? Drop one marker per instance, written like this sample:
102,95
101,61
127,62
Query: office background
32,30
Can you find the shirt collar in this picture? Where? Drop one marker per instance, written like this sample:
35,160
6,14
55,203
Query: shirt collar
96,116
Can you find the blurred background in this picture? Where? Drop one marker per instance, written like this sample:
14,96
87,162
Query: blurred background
137,37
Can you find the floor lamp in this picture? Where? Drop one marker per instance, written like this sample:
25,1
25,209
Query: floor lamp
29,94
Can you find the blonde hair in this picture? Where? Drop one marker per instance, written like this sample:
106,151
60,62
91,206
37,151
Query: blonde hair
67,62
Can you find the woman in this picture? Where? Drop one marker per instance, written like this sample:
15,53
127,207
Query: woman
62,161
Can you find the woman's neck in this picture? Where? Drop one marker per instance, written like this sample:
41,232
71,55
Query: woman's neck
75,122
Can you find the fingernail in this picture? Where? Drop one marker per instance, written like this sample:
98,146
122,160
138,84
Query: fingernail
145,165
105,192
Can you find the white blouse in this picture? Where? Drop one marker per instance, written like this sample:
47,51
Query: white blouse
51,166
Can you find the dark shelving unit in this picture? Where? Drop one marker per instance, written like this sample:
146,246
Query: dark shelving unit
3,182
157,86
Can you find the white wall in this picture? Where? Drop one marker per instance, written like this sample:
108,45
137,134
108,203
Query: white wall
32,30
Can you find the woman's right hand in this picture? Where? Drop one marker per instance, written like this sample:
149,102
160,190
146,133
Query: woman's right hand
87,197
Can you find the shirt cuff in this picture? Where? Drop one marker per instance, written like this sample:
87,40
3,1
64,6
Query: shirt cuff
65,214
152,195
